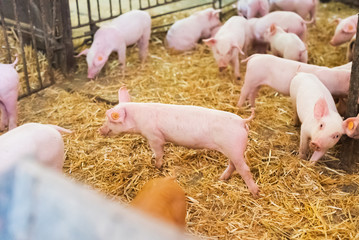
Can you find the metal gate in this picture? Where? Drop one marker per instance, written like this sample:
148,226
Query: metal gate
34,30
43,32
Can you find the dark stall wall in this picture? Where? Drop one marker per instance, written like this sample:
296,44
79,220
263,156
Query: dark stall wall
353,3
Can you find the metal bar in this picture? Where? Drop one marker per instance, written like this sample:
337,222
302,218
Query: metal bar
140,4
163,26
226,5
149,3
47,45
110,2
183,9
78,12
35,90
24,26
130,4
98,10
5,33
22,46
34,43
120,6
91,22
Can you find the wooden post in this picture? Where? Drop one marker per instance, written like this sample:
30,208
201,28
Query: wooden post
67,36
350,148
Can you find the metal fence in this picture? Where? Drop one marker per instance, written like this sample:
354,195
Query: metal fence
34,30
43,32
87,15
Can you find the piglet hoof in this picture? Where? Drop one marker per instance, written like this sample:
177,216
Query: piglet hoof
301,155
311,163
158,163
255,192
224,176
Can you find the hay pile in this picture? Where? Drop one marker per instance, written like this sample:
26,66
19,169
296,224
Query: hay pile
298,201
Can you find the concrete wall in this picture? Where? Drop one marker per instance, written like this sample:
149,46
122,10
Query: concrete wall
36,203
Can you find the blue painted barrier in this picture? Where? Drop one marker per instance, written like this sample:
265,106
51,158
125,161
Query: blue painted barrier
37,203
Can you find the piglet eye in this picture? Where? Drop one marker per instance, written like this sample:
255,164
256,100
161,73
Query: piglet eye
321,126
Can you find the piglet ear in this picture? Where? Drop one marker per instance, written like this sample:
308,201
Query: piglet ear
349,28
321,109
99,59
123,95
350,126
215,13
273,29
210,41
337,20
116,115
84,52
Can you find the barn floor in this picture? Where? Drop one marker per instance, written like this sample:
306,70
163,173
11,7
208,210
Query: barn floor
297,201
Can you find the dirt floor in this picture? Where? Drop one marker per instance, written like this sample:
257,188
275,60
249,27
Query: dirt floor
297,201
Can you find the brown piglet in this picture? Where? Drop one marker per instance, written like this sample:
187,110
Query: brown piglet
163,198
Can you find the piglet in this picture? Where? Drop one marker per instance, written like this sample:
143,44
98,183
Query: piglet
287,45
322,125
164,199
252,8
129,28
42,142
302,7
184,34
9,85
345,30
276,72
230,41
189,126
288,21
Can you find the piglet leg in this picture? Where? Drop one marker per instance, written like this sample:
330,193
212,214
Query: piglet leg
11,109
235,65
316,156
237,160
4,118
121,52
243,170
156,145
303,145
143,47
228,172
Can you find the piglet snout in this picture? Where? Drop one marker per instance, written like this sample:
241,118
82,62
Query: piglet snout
314,146
222,69
91,76
104,131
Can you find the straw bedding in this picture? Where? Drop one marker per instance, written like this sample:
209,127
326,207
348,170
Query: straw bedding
297,201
